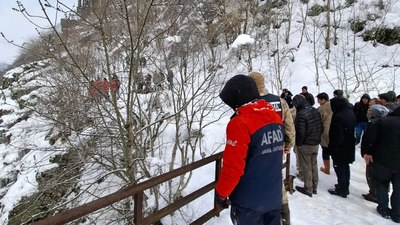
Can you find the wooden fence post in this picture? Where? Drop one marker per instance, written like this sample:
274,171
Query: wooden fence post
138,208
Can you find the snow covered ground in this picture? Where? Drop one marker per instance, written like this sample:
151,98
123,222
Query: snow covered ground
327,209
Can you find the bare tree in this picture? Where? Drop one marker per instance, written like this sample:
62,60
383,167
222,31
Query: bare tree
124,135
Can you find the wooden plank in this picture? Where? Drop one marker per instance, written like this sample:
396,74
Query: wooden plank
178,204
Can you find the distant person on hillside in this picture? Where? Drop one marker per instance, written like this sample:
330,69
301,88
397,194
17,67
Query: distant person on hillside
158,80
287,96
360,110
92,89
342,144
374,112
326,117
105,87
283,111
309,129
99,86
309,97
170,79
381,148
251,173
115,85
147,83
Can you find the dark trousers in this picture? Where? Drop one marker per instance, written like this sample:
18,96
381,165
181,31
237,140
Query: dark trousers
370,179
383,176
343,176
243,216
325,153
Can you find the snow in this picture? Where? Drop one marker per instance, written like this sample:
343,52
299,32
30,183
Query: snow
242,39
173,39
10,73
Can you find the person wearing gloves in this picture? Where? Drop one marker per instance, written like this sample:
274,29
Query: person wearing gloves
251,175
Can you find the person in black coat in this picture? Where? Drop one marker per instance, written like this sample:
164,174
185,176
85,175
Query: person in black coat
308,95
309,127
381,148
375,112
342,144
360,110
287,96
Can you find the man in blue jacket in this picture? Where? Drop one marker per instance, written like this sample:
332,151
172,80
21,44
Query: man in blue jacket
251,173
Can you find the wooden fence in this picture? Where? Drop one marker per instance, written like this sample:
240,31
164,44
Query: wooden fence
137,191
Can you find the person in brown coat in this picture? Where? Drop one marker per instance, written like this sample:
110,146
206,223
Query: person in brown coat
326,116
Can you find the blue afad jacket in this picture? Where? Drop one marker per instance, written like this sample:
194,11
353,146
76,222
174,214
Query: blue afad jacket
260,188
252,161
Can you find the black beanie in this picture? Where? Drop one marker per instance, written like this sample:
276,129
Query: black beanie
239,90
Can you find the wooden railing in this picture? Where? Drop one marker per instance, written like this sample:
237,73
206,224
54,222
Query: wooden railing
137,190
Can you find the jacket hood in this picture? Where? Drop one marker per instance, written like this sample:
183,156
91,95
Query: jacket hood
238,91
260,82
366,96
299,102
338,104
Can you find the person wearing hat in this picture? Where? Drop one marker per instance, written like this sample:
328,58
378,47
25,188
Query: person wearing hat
308,95
287,96
283,111
381,150
251,174
374,112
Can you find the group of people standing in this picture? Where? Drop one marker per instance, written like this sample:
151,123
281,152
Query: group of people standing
102,87
251,176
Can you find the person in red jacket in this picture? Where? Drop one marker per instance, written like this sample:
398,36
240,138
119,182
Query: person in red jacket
105,86
92,88
251,175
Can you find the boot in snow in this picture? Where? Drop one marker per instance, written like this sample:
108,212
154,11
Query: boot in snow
327,167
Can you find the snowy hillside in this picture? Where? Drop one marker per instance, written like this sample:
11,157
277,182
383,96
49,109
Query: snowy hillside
65,141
